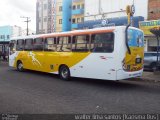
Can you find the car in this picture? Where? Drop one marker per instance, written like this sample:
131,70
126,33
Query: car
150,61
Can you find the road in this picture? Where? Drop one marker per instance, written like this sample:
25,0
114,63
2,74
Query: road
35,93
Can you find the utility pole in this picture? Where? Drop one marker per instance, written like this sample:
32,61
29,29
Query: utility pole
27,21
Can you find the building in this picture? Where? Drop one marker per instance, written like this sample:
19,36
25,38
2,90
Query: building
66,15
101,9
116,21
53,16
6,32
153,9
77,13
59,15
100,13
153,20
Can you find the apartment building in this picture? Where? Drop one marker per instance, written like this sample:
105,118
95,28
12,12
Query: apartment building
53,16
77,13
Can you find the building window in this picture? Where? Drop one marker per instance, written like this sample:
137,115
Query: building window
82,6
45,19
78,6
8,36
45,6
60,8
78,20
73,7
2,37
82,19
39,19
60,21
73,20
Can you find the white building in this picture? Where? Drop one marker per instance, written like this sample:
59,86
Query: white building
113,8
16,31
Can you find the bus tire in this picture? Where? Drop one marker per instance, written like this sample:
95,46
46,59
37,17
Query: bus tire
20,66
64,72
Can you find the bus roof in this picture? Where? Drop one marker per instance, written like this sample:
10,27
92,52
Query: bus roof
75,32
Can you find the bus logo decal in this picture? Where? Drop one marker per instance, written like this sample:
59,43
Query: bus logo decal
34,60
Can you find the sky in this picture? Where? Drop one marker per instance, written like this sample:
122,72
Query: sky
11,12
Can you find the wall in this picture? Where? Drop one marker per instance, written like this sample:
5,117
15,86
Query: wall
114,8
5,33
154,9
58,16
66,19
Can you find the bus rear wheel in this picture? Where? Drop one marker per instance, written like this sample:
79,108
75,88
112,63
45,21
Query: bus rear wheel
20,66
64,72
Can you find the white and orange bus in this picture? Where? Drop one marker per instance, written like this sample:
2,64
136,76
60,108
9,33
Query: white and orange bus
109,53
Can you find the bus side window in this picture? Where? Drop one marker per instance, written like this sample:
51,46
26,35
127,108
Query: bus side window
20,45
50,44
38,44
103,42
64,44
80,43
28,44
12,46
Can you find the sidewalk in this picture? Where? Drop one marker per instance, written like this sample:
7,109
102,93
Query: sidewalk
151,76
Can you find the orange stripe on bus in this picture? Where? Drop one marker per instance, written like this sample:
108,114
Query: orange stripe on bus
77,33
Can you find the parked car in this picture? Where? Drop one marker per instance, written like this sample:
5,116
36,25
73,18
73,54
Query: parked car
150,61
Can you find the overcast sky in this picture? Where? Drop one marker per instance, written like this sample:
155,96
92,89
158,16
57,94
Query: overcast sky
12,10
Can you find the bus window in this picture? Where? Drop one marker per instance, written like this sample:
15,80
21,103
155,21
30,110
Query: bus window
50,44
135,38
64,44
12,46
28,44
38,44
20,45
80,43
103,42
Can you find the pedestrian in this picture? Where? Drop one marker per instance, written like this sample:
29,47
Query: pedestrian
4,56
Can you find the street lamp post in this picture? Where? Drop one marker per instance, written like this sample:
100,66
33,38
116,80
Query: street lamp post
27,21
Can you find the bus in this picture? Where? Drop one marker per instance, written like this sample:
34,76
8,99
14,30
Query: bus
107,53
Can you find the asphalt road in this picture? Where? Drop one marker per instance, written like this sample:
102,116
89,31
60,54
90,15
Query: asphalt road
35,93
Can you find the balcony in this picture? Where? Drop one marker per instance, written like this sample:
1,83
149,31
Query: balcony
74,26
78,12
77,1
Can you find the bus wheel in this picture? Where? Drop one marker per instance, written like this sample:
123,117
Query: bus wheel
20,66
64,72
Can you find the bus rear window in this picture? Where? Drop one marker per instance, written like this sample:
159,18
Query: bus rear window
103,42
135,38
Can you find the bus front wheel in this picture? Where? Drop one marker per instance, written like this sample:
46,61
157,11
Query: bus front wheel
64,72
20,66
